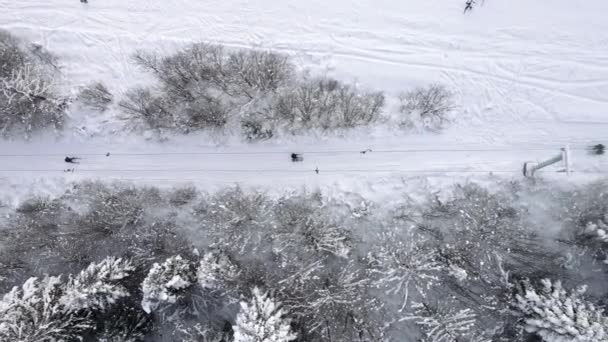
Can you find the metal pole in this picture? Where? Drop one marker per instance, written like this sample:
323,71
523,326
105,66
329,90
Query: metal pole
548,162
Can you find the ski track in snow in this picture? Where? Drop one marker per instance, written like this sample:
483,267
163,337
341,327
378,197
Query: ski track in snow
525,74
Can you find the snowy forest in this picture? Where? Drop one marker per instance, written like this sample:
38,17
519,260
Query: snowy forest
507,261
301,171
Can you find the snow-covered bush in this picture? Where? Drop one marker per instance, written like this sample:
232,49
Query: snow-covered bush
205,67
96,96
200,86
182,196
426,108
326,104
28,98
208,86
261,319
555,314
258,124
149,107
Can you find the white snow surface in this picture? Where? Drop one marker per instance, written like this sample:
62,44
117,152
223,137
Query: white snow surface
529,77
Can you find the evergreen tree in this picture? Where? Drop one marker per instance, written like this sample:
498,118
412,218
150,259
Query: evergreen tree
261,320
51,309
558,316
167,283
97,286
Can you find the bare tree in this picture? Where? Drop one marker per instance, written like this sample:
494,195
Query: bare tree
426,108
96,96
327,104
28,97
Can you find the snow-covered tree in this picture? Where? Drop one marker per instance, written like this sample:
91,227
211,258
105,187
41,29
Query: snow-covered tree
51,309
304,227
97,286
261,320
481,239
34,312
402,264
444,323
557,315
214,269
28,101
236,221
167,283
334,303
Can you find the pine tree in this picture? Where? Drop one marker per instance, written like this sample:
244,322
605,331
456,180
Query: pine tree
33,312
167,283
261,320
51,309
558,316
97,286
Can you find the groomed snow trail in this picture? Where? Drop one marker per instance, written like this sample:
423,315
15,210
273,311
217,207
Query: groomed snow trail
526,74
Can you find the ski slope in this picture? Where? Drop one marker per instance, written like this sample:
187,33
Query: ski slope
529,77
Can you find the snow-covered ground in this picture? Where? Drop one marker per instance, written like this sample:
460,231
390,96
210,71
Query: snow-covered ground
529,77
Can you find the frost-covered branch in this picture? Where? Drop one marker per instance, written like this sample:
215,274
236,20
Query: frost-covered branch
261,319
555,314
401,265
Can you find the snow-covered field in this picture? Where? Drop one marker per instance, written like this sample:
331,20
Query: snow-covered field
529,77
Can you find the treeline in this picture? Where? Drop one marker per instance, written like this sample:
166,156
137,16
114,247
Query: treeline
113,262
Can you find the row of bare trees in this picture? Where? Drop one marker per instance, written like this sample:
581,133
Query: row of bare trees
207,87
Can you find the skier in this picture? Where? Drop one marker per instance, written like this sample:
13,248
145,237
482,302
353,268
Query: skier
71,160
296,157
598,149
469,5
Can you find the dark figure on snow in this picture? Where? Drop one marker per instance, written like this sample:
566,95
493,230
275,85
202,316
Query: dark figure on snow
295,157
72,160
469,5
598,149
84,1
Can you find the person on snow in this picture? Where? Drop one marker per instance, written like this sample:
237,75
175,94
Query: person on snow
71,160
295,157
469,5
